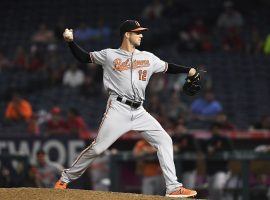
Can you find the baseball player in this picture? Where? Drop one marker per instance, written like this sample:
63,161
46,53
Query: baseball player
126,73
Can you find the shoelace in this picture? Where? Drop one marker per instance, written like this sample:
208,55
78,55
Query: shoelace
183,190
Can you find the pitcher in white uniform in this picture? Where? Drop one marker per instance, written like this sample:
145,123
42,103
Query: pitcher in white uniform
126,73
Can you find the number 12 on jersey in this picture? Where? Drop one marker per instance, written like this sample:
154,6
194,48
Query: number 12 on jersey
142,75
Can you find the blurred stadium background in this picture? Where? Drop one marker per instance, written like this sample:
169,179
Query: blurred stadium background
51,104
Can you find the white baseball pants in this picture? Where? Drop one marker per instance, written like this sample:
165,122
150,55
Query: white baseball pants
118,119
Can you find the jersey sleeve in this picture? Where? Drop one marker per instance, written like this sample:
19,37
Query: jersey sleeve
98,57
159,65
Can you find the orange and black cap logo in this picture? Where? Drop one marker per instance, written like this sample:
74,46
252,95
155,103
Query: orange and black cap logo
131,26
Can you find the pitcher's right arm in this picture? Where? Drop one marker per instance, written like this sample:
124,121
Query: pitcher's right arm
79,53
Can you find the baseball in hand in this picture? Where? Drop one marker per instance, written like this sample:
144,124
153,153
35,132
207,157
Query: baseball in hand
191,72
68,35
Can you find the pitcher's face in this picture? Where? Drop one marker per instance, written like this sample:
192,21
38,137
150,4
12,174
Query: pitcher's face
135,38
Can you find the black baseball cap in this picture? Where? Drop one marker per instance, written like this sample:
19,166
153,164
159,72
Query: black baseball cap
131,26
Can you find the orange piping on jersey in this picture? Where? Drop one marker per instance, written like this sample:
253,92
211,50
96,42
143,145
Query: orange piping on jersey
83,152
105,115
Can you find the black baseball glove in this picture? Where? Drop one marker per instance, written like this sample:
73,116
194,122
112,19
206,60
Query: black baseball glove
193,84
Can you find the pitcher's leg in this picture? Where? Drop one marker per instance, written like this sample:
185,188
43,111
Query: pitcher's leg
79,165
153,132
163,143
109,132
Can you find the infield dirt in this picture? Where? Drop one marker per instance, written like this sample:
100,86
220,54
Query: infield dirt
52,194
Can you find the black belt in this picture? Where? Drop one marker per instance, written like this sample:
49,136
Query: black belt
132,104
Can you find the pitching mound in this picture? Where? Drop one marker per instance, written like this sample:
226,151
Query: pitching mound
46,194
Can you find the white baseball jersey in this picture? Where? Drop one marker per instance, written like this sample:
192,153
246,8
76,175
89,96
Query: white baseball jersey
127,74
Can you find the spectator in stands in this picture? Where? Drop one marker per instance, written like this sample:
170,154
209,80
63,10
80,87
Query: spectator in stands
33,126
230,18
259,178
186,143
6,173
206,108
152,180
176,83
36,61
99,171
84,33
43,35
180,127
43,116
20,61
223,122
255,42
13,172
157,85
198,28
232,41
206,44
168,124
175,107
18,109
153,11
187,42
29,180
76,125
96,36
56,125
217,169
4,62
266,48
195,38
263,124
73,77
173,9
155,106
90,87
56,74
21,168
46,172
103,33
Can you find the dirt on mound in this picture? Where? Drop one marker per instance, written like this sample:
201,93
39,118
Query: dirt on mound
52,194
